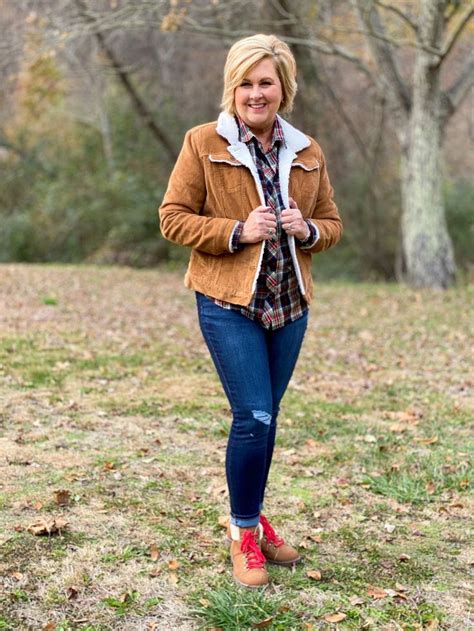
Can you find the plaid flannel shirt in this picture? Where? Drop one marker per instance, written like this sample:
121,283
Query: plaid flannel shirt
277,300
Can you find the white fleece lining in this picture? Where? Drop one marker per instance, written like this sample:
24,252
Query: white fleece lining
304,167
233,163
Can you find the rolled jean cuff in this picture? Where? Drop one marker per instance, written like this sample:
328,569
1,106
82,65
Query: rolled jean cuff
245,522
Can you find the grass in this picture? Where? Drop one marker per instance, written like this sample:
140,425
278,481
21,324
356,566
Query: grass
108,392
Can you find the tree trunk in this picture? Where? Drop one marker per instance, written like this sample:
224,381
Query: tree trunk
427,247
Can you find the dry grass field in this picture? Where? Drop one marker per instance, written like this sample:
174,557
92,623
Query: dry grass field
113,429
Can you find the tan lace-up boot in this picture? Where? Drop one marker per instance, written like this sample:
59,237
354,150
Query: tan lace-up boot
247,558
274,548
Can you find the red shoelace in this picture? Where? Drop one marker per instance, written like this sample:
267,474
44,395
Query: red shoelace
249,546
269,533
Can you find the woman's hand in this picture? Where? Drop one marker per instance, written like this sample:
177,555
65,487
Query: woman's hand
260,225
293,222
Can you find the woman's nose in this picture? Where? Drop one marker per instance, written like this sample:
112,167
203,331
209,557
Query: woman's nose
256,92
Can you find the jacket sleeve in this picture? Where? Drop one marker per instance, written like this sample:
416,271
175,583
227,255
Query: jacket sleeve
325,214
181,218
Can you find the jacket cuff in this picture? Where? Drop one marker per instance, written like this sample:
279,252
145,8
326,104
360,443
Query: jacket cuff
234,245
311,238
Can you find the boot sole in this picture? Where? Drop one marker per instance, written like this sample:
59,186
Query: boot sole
285,563
236,580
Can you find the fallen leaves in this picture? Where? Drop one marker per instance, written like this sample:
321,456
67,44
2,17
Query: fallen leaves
63,497
47,526
17,576
154,552
72,593
356,600
217,490
426,441
223,521
173,564
376,592
316,538
335,617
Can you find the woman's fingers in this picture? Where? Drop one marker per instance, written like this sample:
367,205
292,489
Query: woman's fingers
292,219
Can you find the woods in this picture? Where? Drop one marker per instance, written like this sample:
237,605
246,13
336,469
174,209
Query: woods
96,97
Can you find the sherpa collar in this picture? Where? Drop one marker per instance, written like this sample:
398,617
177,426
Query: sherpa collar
228,129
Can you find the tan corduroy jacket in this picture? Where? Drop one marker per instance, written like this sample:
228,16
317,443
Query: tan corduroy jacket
215,183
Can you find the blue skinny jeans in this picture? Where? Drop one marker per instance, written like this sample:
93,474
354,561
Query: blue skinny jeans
254,365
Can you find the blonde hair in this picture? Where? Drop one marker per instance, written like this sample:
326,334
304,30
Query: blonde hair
247,52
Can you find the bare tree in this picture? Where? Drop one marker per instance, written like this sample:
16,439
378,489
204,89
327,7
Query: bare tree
423,112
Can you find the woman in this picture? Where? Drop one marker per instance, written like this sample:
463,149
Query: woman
251,196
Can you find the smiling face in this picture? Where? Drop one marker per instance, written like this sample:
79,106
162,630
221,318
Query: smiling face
258,97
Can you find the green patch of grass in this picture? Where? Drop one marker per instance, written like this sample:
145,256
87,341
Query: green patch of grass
129,602
37,365
421,479
41,377
411,616
123,604
129,552
24,549
49,300
233,608
19,595
358,562
151,407
55,597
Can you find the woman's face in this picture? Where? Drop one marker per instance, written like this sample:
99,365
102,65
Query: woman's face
259,95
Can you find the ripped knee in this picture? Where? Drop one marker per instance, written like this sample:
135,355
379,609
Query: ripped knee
262,416
251,423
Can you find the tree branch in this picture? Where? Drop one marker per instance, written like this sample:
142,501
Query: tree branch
139,104
397,43
454,9
26,157
455,94
346,120
401,14
452,38
319,45
398,90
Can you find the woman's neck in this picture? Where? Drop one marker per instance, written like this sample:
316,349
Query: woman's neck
264,136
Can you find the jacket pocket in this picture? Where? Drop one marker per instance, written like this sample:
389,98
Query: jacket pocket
226,181
227,171
304,184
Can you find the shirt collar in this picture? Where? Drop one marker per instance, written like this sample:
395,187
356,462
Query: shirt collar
246,134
